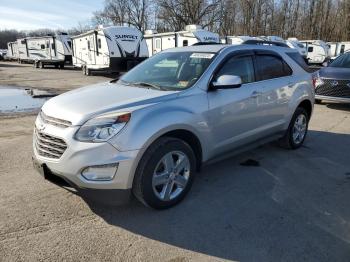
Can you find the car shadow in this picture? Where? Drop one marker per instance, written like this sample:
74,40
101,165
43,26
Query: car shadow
292,206
15,64
338,106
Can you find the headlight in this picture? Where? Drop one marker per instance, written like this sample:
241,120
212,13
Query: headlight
102,128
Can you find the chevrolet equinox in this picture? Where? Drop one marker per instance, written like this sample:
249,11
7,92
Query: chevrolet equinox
149,132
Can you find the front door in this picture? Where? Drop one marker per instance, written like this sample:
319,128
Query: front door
233,115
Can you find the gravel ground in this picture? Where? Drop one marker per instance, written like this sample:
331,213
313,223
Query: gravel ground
293,206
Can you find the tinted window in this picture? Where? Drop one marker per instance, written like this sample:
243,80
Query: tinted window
310,49
185,42
300,61
239,66
269,67
53,46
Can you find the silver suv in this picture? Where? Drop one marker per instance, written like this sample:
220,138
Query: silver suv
150,131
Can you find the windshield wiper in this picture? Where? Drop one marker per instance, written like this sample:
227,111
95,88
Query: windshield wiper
145,84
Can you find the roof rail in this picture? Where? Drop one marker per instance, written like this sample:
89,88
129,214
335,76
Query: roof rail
207,43
263,42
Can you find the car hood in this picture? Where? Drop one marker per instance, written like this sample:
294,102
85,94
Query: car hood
81,104
335,73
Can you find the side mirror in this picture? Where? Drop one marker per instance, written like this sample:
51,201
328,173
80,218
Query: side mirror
227,81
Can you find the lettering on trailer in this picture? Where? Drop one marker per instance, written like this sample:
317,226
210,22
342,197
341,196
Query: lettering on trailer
127,38
210,38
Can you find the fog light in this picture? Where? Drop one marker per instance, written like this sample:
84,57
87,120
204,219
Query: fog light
100,173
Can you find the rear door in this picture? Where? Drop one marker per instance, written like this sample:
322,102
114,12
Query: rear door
276,83
91,50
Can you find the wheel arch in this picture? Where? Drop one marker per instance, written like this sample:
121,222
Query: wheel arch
307,105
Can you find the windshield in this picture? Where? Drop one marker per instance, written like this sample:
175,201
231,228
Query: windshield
169,70
341,61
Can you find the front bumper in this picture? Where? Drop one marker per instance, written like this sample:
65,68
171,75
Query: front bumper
80,155
103,196
332,98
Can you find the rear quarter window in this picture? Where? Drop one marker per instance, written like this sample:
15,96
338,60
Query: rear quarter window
297,58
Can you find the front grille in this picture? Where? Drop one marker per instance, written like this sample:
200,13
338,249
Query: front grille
328,88
49,146
54,121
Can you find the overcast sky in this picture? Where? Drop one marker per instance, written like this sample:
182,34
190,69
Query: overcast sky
54,14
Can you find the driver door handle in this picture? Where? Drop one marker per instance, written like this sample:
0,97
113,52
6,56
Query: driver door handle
255,94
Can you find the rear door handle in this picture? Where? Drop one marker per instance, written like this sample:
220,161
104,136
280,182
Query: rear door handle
255,94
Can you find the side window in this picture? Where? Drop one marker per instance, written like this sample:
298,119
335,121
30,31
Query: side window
269,67
300,61
99,43
310,49
53,46
185,43
239,66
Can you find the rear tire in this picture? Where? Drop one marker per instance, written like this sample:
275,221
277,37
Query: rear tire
297,130
165,173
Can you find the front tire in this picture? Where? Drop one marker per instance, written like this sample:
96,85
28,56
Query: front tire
165,173
297,130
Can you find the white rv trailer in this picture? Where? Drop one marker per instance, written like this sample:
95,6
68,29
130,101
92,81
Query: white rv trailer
156,42
318,51
338,48
12,51
22,49
293,42
46,50
237,40
113,49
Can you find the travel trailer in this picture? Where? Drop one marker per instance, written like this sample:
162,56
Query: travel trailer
156,42
318,51
237,40
293,42
46,50
22,49
12,51
112,49
338,48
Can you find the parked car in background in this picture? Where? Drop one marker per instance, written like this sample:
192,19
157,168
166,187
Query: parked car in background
151,131
333,81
